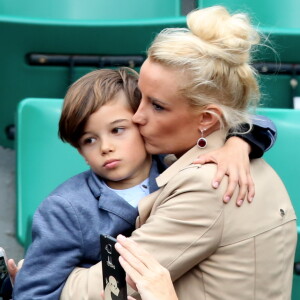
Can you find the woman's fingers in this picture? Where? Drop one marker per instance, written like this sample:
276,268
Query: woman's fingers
251,189
133,275
131,282
12,269
134,254
136,260
152,280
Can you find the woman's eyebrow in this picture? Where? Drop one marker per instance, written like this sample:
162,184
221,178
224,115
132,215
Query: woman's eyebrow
158,101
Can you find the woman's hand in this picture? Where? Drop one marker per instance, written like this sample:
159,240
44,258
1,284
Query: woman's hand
13,268
144,273
232,160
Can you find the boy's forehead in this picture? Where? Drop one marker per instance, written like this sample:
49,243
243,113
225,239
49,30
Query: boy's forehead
120,99
115,110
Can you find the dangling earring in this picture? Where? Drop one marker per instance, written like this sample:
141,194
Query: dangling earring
201,143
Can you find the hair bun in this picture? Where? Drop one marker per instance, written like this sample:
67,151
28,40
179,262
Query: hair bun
232,34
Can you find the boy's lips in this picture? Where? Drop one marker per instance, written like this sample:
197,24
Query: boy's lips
111,163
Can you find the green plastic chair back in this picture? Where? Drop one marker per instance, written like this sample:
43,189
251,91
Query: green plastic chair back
284,158
43,160
91,9
69,27
267,13
276,90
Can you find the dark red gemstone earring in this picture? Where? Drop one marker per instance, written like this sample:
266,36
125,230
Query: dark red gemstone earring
201,143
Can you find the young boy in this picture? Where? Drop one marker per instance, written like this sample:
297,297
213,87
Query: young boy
96,119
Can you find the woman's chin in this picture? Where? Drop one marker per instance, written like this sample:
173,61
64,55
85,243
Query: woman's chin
152,149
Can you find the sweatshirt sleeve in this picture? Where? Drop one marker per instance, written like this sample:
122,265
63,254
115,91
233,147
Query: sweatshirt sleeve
261,138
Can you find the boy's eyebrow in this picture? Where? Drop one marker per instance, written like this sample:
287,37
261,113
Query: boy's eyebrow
119,121
112,123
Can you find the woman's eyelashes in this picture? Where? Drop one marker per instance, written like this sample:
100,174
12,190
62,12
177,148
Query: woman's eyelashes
157,106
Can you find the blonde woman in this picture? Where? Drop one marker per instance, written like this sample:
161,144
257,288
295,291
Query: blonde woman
196,84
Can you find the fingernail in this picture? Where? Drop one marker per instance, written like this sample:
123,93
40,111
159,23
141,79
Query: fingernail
215,184
117,246
226,199
197,162
240,202
121,237
251,199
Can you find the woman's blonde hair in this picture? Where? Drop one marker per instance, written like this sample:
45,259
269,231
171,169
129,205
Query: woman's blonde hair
214,56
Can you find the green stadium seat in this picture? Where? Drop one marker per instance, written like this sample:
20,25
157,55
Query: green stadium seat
43,160
73,29
284,157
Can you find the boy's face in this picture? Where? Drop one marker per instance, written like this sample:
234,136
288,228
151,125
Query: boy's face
113,147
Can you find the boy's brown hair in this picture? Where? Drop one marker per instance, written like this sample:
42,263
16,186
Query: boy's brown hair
89,93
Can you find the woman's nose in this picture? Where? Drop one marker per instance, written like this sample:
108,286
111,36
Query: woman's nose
139,116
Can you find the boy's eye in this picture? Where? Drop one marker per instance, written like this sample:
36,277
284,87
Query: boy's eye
89,140
118,130
157,106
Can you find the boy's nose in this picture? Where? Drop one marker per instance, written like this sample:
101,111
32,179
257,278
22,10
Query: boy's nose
106,147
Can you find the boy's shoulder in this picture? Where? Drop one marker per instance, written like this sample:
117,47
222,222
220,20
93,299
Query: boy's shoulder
75,185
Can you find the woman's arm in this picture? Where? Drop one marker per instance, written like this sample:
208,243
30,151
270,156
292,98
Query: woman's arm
233,159
185,224
185,227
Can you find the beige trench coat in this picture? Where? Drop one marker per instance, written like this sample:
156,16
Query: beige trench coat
214,251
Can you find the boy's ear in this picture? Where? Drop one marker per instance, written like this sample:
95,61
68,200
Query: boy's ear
209,117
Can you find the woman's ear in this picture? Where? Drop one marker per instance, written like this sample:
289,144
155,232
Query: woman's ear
209,118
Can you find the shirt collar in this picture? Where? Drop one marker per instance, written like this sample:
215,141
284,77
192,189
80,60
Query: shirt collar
110,201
